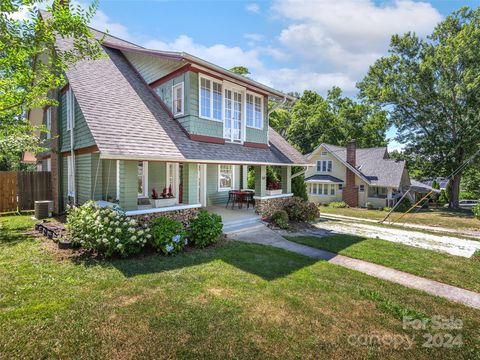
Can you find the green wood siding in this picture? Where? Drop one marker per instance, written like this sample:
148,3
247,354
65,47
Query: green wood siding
82,135
152,68
190,183
83,177
156,176
109,179
213,195
128,184
97,177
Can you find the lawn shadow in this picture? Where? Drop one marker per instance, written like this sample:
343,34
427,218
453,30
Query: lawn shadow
333,242
264,261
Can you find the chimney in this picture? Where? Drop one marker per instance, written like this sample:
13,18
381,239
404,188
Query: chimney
350,191
352,152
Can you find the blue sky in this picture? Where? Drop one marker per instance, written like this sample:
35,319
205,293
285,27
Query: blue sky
291,45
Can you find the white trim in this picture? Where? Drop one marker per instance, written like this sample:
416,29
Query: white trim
163,209
261,97
70,110
71,176
273,196
321,186
212,80
174,87
117,180
176,179
48,122
220,189
49,164
145,193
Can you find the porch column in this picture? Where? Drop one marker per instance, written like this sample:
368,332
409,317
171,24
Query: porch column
190,183
260,180
286,173
127,183
244,176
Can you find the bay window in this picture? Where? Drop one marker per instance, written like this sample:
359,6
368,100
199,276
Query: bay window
225,177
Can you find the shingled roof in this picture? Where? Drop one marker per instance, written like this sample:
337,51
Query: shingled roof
373,164
128,120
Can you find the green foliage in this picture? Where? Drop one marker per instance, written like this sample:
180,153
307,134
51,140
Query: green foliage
299,188
387,208
405,205
168,235
105,230
338,204
476,211
442,198
471,183
205,229
25,77
335,120
369,205
301,210
240,70
429,85
280,218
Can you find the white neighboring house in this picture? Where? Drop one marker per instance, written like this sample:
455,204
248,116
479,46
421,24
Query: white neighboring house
356,176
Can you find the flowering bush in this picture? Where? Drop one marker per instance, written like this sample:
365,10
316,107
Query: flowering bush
205,229
300,210
168,235
280,218
105,230
274,185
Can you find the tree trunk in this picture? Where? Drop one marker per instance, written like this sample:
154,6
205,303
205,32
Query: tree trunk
455,196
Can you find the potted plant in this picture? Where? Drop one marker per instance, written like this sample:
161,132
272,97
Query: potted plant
166,198
274,188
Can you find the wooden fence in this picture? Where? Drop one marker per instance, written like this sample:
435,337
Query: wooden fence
20,189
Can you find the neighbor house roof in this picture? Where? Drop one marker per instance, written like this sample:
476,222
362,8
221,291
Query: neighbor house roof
372,164
324,179
129,121
421,187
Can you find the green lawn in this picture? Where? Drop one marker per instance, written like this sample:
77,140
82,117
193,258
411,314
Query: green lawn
449,269
236,300
456,219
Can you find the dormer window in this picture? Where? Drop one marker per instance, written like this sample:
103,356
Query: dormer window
324,166
254,111
210,99
177,99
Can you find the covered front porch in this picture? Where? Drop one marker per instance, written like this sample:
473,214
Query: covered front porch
143,187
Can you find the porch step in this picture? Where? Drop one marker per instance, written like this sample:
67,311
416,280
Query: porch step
237,225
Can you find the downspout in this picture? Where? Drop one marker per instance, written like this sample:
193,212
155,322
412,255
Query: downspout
277,106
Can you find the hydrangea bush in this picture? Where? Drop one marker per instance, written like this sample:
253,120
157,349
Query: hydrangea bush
205,229
168,235
105,230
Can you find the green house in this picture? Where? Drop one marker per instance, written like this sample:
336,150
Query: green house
138,123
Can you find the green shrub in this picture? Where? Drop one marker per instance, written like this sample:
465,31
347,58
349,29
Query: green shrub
387,208
338,204
369,205
168,235
280,218
105,230
476,211
300,210
205,229
404,205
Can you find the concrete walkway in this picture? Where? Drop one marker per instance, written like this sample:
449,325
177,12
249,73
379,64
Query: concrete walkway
263,235
443,230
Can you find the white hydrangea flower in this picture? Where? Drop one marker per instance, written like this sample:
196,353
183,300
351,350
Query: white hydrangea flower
117,241
140,232
133,222
132,230
118,230
119,246
133,238
149,236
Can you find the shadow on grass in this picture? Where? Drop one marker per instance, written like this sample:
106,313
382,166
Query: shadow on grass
267,262
462,213
334,243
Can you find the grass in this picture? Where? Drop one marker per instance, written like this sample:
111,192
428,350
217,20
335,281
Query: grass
449,269
237,300
456,219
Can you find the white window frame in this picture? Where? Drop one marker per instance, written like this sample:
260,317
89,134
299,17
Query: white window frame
174,94
361,188
212,80
255,96
49,164
48,122
70,110
176,182
233,178
145,193
70,176
327,164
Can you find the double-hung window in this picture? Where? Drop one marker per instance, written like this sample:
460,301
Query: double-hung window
225,177
324,166
142,178
48,122
254,111
177,99
210,99
70,109
70,176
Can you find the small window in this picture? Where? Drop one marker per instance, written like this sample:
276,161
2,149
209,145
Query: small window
177,99
340,186
329,166
142,175
70,176
324,153
225,177
362,188
48,122
70,109
324,166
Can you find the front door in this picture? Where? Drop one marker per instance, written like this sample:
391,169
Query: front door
232,128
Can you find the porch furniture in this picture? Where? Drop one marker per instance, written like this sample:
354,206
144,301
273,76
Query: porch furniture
239,196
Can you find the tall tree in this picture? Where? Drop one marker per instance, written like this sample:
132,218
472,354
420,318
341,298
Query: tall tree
31,65
431,88
335,120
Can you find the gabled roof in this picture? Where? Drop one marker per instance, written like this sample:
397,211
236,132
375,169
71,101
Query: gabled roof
129,121
372,164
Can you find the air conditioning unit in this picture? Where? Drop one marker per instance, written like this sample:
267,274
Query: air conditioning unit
43,209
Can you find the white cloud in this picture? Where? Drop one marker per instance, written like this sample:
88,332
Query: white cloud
349,34
218,54
253,7
102,22
254,37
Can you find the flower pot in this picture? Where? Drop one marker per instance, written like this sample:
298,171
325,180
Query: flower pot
158,203
274,192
